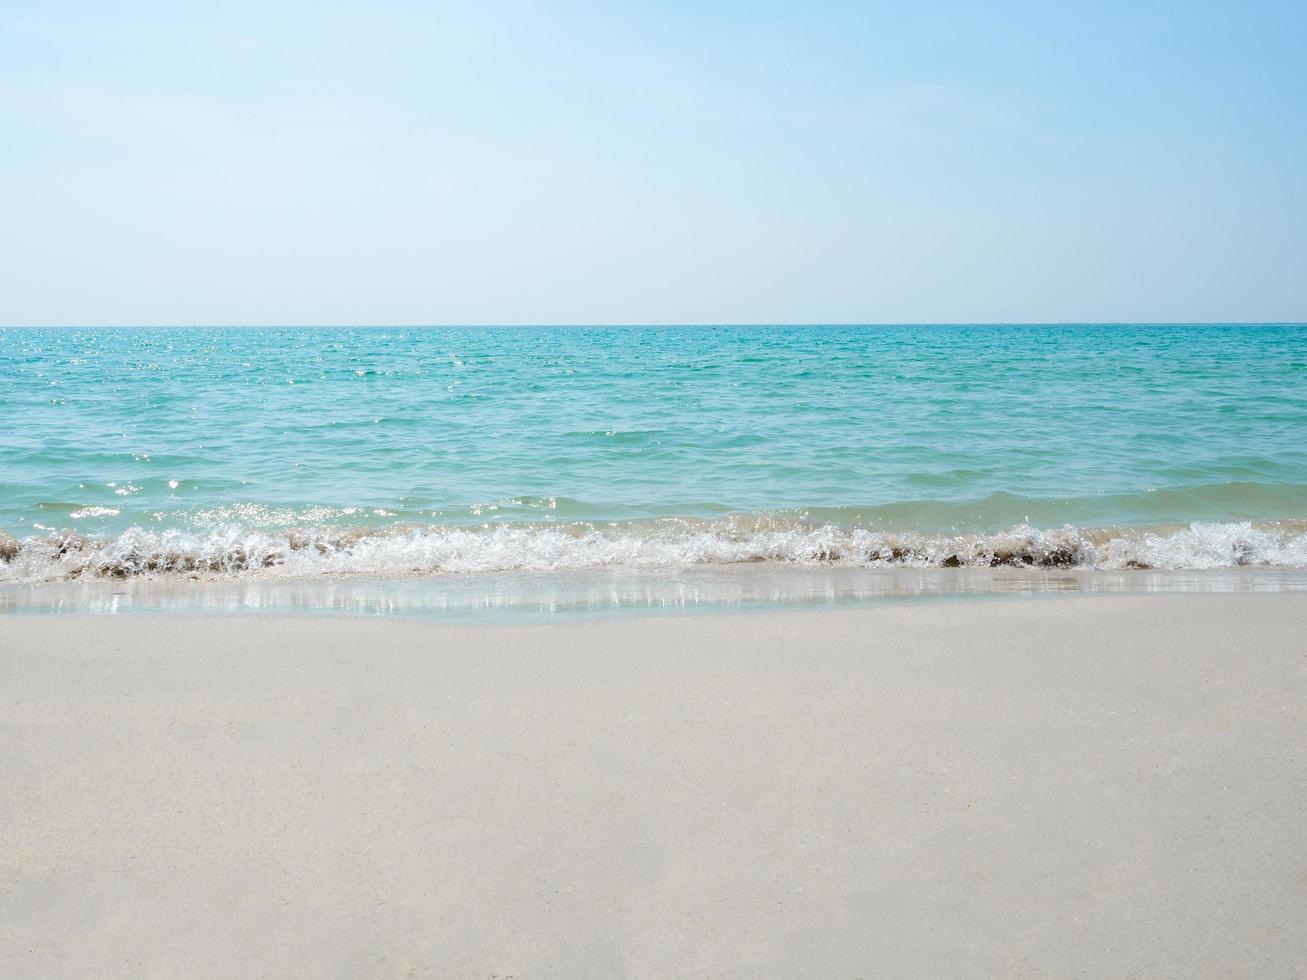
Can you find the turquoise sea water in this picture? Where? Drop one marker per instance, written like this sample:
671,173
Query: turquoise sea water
433,451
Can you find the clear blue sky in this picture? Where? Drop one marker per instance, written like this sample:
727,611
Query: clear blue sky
392,162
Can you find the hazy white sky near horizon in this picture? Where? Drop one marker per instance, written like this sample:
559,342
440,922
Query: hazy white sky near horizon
679,162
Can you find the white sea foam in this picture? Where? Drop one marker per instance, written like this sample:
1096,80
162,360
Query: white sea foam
235,550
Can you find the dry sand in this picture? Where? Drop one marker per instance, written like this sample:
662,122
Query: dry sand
1061,787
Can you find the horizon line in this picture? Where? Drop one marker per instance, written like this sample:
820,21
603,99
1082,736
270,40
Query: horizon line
636,324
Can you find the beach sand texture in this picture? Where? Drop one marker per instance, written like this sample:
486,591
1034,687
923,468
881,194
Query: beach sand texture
1101,787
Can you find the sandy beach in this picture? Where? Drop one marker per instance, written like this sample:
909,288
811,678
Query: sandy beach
1100,787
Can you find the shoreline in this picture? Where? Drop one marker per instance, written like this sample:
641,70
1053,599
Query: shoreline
541,596
1105,787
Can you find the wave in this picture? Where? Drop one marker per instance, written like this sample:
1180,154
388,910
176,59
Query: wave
408,549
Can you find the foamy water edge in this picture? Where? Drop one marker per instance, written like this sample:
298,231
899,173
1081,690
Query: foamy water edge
241,552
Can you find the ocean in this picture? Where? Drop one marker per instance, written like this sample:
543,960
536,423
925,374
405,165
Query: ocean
435,453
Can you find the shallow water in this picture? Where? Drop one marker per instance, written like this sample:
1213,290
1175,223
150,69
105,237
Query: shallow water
375,451
523,597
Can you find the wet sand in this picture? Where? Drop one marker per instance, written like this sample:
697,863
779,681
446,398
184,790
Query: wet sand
1094,787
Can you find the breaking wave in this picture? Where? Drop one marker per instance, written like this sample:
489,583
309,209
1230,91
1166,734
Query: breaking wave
409,549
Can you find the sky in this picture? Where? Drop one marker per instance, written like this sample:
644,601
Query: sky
823,162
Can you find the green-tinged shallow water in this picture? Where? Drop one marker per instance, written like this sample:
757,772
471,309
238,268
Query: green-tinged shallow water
489,449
